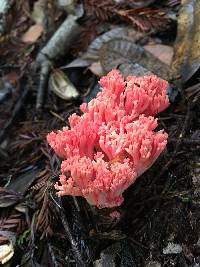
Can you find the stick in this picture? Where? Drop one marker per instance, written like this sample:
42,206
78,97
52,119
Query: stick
58,45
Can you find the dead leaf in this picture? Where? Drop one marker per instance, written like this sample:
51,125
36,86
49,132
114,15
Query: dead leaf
38,12
136,3
6,252
92,54
67,5
33,33
96,68
133,69
120,51
163,52
186,60
21,183
62,86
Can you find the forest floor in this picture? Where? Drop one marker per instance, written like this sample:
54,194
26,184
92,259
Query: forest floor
52,55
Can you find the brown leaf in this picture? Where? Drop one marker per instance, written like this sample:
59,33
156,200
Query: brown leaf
186,60
163,52
44,214
87,34
11,221
9,198
92,54
33,33
135,69
136,3
117,52
144,19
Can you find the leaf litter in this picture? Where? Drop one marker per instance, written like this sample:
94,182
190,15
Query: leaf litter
162,209
187,56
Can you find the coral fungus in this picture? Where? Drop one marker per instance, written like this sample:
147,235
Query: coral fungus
114,141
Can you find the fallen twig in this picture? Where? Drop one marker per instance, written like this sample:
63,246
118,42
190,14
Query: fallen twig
44,76
58,45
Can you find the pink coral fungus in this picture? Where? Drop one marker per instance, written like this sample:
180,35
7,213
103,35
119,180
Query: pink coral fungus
114,141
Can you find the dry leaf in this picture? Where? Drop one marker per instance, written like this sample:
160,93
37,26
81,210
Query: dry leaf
38,14
133,69
136,3
6,253
96,68
163,52
92,54
144,19
62,86
186,60
33,33
21,184
121,51
67,5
